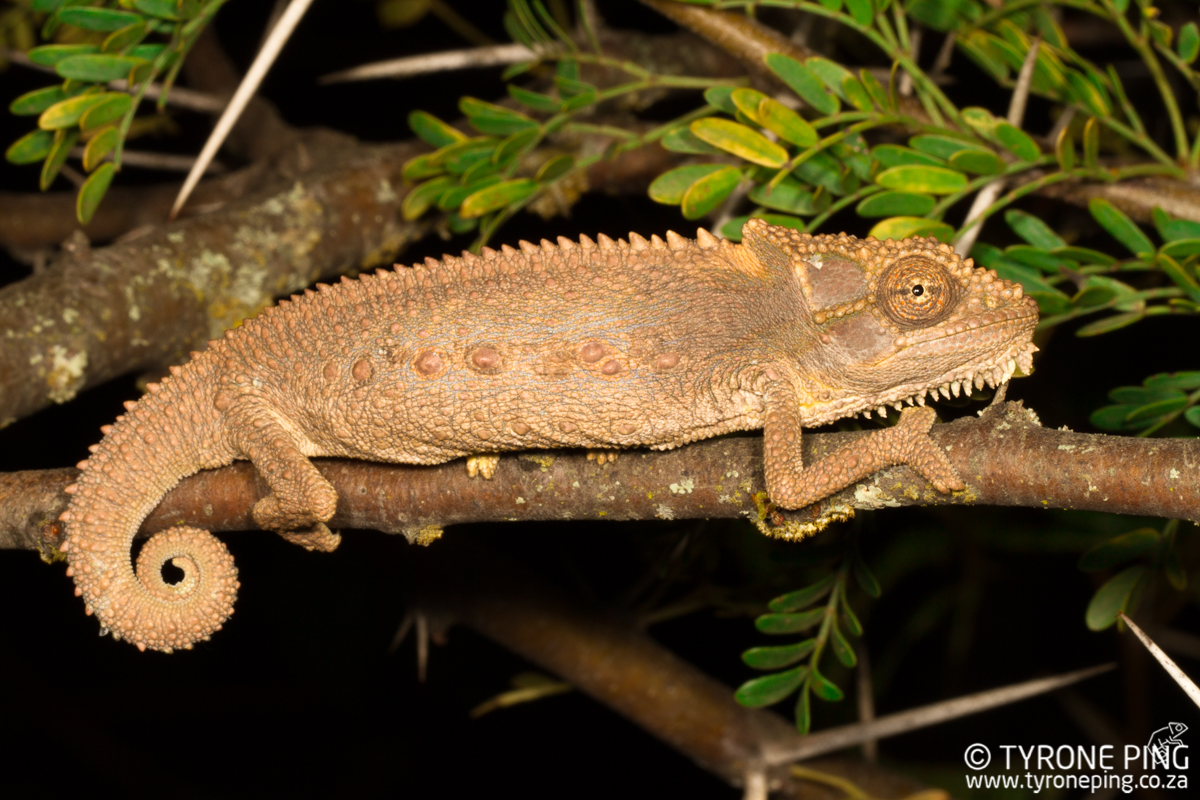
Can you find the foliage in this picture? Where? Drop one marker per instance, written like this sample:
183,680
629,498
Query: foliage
116,53
1120,594
792,613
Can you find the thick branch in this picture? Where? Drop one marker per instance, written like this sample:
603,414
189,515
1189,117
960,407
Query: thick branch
1004,457
618,665
144,303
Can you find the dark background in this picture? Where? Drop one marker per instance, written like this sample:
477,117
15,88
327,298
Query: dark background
299,695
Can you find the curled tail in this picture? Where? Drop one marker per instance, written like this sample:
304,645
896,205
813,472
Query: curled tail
168,435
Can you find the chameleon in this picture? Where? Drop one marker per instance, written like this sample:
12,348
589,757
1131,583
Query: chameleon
596,344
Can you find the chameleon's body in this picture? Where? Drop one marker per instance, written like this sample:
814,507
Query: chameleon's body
609,345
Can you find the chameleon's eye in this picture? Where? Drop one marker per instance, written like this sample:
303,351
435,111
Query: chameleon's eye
916,292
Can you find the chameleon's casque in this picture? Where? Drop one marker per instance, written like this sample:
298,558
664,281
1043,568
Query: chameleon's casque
581,344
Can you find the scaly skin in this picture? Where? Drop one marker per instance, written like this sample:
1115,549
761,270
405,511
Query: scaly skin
608,345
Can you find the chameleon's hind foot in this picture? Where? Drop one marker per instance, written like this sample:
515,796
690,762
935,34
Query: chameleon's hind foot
483,466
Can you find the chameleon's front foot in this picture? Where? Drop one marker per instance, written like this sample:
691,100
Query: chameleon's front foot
791,485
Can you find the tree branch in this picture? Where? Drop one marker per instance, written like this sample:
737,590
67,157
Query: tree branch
1005,457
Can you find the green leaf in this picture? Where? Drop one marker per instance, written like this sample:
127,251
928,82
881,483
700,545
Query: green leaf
1017,141
789,623
1092,296
99,146
498,196
1110,324
1033,230
1122,228
1192,415
1113,418
940,146
769,689
554,169
746,101
904,227
128,36
802,81
1140,395
889,204
92,192
851,619
37,101
980,120
1188,45
790,126
803,703
981,162
803,598
1064,149
1084,255
740,141
778,657
1176,273
98,19
1035,257
669,187
146,52
862,10
97,68
979,47
421,167
496,120
1173,380
452,199
830,73
790,196
64,140
1091,142
842,648
825,171
1153,411
111,106
682,140
721,97
1120,594
163,9
30,148
866,580
534,100
48,55
1172,229
709,192
894,155
922,179
516,144
875,89
856,93
66,113
460,157
421,197
1181,248
1088,95
1121,550
825,689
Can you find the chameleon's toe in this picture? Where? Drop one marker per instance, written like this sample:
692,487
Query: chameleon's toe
483,466
602,457
318,538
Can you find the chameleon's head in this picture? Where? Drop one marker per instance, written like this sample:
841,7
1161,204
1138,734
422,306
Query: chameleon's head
887,322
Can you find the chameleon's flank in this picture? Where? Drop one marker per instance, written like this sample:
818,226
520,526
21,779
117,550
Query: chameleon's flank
578,344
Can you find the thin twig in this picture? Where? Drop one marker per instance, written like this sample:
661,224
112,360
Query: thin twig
445,61
163,161
258,70
1185,683
850,735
